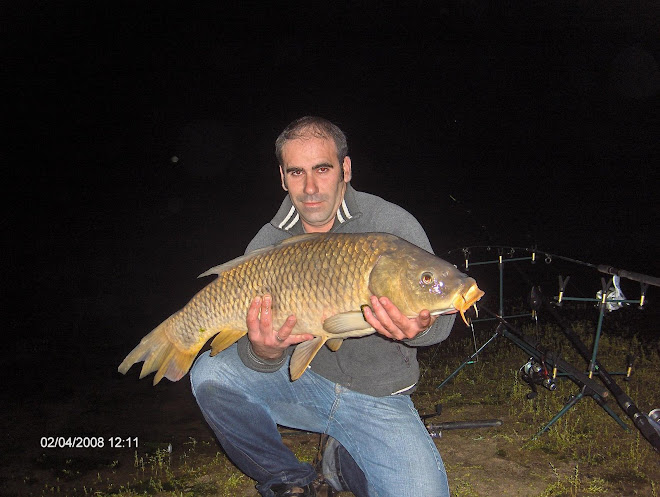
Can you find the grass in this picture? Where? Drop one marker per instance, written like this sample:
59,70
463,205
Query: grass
584,435
584,453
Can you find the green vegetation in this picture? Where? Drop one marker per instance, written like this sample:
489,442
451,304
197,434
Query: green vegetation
597,457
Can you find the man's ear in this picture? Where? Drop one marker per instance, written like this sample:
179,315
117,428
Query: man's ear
347,169
283,180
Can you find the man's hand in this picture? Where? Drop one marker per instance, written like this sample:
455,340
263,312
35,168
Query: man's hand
386,319
266,342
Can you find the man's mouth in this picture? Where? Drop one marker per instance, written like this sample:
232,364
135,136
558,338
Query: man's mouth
311,202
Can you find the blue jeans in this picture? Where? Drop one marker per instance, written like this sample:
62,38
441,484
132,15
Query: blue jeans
384,435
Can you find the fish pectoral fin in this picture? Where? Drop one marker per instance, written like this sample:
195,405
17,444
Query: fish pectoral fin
224,339
334,343
303,354
345,322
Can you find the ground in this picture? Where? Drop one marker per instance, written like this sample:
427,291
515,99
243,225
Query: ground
585,453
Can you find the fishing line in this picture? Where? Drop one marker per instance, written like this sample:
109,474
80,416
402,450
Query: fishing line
474,341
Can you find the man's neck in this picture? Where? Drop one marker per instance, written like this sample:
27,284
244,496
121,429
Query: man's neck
307,228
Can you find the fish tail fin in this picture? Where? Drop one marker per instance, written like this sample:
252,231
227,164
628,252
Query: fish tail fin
159,354
303,355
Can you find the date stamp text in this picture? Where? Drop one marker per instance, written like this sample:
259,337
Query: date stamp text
89,442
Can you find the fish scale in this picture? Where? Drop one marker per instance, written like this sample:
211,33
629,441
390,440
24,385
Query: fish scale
323,279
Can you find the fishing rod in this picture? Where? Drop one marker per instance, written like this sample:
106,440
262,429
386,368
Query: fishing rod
435,429
622,273
603,268
510,251
639,419
642,278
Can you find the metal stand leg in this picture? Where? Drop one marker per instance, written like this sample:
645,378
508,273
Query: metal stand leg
564,410
468,360
588,387
574,400
609,411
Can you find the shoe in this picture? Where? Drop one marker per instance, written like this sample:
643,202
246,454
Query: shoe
338,468
288,491
330,465
318,488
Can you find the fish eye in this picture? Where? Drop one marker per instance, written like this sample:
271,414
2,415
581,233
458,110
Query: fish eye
427,278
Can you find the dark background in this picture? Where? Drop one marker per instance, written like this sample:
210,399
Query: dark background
493,122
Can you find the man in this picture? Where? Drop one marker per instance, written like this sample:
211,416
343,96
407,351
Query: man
358,395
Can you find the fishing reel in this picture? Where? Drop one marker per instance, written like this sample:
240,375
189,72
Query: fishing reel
654,419
535,373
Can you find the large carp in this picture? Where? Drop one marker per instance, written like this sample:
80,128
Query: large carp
323,279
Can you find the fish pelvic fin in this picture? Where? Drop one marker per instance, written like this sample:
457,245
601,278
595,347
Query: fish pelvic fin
224,339
334,343
302,356
346,322
159,354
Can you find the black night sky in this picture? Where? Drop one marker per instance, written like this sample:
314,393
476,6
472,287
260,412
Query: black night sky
541,120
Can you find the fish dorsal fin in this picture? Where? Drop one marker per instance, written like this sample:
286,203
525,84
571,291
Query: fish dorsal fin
303,355
334,343
345,322
239,260
224,339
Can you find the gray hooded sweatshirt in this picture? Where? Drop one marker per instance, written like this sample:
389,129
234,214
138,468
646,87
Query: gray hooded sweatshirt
373,365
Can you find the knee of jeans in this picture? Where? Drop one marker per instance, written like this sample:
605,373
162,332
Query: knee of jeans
206,395
198,370
207,375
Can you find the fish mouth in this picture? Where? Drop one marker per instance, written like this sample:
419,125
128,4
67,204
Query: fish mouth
463,302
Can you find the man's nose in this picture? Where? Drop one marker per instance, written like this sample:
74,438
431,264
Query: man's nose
310,185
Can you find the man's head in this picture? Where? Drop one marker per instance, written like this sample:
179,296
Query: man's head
312,126
315,168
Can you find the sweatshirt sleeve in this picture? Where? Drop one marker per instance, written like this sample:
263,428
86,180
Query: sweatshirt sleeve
256,363
437,333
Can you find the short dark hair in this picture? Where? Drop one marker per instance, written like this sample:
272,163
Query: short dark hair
312,126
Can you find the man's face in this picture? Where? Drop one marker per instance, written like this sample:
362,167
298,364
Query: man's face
312,175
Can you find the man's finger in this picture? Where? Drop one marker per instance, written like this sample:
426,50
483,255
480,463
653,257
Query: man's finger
371,318
253,312
266,316
394,314
395,323
296,339
285,331
380,312
424,319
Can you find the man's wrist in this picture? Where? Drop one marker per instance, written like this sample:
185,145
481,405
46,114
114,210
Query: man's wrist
264,360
